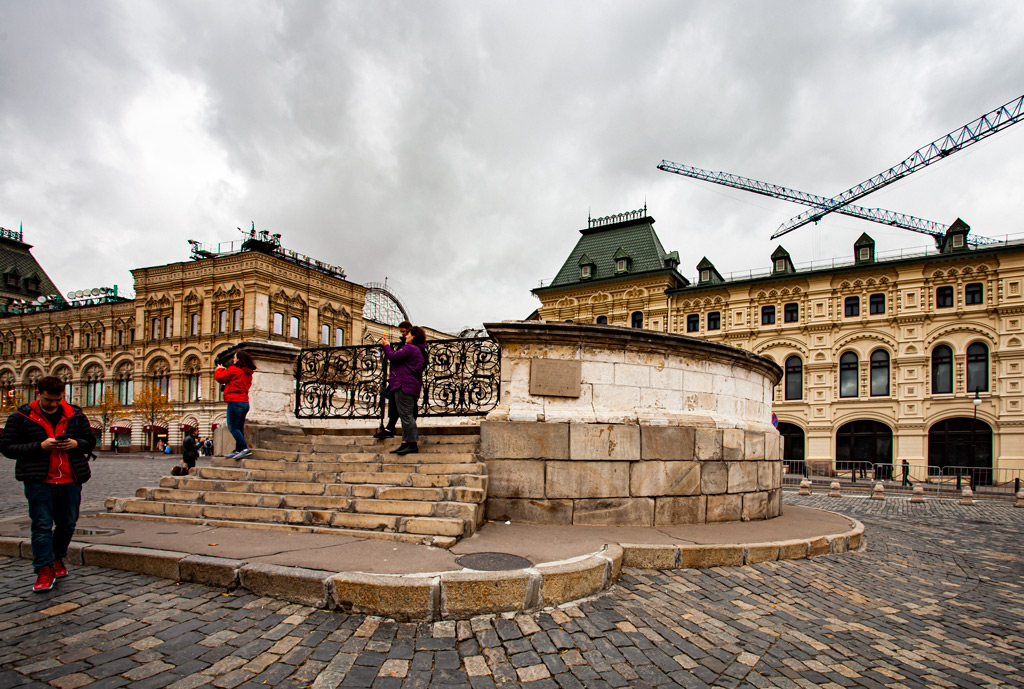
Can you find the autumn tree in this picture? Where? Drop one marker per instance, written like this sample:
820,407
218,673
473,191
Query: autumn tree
8,403
107,410
152,406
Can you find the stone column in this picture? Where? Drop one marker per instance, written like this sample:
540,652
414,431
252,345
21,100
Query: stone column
272,395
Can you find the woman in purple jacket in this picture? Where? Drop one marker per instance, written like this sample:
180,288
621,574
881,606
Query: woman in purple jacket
405,382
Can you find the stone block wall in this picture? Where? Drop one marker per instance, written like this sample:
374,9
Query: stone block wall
629,474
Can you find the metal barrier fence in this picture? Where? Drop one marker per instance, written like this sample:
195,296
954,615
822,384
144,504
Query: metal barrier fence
462,378
937,481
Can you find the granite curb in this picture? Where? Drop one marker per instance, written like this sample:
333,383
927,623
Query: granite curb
445,595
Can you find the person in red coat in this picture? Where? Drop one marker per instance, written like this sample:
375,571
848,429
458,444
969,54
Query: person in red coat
237,379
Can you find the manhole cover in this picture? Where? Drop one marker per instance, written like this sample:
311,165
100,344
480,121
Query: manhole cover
493,562
82,531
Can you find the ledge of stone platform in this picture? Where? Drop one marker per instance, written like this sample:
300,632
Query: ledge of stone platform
441,595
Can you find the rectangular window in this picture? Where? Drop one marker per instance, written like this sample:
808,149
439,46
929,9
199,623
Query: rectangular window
223,317
705,275
974,293
585,271
692,323
876,303
792,312
852,306
88,340
767,315
167,326
944,297
131,335
865,253
278,323
120,337
68,341
195,324
958,241
339,337
293,326
325,334
780,265
99,339
236,320
714,320
156,328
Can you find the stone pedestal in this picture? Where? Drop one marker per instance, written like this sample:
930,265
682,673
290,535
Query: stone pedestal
878,492
805,487
967,496
603,425
918,494
835,490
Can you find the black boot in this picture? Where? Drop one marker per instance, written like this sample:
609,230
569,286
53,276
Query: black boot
384,434
407,449
400,450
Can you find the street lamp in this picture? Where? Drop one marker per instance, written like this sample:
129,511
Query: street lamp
977,403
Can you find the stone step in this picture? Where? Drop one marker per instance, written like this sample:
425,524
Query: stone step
387,515
336,476
335,496
304,446
348,480
297,461
412,536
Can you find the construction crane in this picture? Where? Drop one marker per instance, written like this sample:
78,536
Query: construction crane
908,222
957,140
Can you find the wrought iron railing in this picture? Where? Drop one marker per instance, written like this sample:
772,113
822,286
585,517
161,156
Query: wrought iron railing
462,378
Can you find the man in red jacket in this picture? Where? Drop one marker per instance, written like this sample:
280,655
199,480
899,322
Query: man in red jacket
51,442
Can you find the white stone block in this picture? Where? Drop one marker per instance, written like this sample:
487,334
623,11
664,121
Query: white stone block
667,378
616,397
632,375
602,373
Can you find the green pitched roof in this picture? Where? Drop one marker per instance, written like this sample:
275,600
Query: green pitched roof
635,238
16,255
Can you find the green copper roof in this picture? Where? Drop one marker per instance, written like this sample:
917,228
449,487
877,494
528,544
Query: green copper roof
635,239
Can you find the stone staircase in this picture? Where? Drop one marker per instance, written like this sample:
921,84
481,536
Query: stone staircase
318,482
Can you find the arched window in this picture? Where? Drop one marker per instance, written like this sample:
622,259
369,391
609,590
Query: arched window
602,320
160,372
193,381
637,319
125,383
794,378
942,370
848,385
93,380
879,373
64,373
977,368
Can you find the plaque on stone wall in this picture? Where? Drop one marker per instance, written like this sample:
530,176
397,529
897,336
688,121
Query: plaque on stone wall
555,378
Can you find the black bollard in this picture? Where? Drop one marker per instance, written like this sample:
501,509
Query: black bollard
1016,485
958,483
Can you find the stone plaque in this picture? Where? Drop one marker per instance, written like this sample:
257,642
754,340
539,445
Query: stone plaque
555,378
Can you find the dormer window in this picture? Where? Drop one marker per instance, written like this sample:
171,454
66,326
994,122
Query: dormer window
620,265
584,272
586,267
622,261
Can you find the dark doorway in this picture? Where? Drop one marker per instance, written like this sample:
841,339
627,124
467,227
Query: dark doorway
792,447
860,442
961,446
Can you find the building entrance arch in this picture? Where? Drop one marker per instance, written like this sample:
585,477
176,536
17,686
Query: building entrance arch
865,442
961,446
793,444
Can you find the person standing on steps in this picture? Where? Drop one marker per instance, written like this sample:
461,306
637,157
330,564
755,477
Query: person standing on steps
405,382
389,431
51,442
237,379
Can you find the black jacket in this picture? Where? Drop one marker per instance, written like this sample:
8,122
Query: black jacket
189,450
23,435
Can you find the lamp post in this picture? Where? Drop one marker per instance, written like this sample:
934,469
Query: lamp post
977,403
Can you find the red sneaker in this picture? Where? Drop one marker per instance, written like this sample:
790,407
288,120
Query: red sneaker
59,570
44,582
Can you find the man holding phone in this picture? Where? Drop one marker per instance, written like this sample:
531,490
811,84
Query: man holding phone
51,442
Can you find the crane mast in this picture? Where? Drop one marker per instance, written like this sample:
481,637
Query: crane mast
934,229
957,140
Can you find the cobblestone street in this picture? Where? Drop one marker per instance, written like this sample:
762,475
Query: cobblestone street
935,600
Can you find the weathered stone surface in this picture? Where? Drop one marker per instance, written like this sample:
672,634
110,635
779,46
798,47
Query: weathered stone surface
157,563
658,478
755,506
515,478
523,440
666,442
571,581
819,546
613,554
793,550
646,556
733,444
755,445
10,547
690,510
700,556
399,597
584,479
212,571
555,377
478,593
742,477
724,508
714,478
614,512
765,474
708,444
604,441
762,552
772,445
774,503
295,584
529,510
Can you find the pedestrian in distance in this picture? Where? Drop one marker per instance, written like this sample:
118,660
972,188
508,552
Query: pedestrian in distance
405,382
189,453
906,475
207,447
388,431
51,442
237,379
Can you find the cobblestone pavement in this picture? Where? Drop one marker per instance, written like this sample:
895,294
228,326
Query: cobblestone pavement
935,600
112,476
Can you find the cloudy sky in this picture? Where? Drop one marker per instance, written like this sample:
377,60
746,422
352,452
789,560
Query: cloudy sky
456,148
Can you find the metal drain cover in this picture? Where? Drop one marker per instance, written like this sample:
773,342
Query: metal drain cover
493,562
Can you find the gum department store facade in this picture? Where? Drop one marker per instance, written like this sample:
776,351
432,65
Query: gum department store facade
183,316
884,358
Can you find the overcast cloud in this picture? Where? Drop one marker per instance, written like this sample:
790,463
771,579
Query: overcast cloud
457,148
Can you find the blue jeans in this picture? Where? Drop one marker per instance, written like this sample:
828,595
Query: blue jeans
53,509
236,423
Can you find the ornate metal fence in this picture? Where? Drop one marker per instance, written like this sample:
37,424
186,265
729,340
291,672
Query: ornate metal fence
462,378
